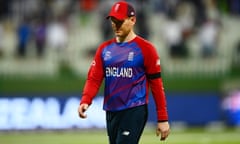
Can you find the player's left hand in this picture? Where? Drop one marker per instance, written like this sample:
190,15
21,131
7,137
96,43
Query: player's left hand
163,129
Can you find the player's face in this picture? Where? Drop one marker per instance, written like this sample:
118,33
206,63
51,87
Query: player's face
121,28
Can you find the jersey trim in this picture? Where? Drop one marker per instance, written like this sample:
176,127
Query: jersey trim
154,76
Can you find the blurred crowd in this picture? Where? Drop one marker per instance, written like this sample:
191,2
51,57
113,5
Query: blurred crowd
42,24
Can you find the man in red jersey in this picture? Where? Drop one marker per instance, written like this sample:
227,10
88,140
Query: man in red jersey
129,65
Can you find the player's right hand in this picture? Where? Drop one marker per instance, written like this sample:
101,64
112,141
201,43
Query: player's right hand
81,110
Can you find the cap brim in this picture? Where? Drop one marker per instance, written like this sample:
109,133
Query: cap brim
118,17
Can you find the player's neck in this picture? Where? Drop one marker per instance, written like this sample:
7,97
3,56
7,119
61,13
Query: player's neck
128,38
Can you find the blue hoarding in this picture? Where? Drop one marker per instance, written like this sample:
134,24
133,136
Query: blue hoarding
59,111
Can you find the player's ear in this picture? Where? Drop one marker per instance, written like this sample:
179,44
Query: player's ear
133,19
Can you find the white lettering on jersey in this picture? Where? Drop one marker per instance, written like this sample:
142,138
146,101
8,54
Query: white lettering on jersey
158,62
119,72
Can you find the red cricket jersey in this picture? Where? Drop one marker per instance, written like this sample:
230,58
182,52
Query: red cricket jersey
129,69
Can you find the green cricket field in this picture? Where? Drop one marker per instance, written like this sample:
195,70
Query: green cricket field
96,136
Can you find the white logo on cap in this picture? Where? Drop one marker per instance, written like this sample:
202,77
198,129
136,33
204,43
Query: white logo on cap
132,13
116,7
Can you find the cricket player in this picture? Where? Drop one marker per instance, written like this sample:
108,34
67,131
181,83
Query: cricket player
130,67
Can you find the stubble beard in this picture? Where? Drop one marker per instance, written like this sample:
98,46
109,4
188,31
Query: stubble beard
122,36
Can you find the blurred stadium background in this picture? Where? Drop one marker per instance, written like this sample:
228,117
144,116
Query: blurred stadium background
46,47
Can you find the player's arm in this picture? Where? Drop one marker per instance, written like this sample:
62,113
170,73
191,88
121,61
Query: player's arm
156,85
92,85
153,73
153,69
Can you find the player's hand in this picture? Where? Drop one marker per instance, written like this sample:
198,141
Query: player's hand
81,110
163,129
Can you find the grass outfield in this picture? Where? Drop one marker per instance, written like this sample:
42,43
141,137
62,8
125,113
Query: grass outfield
99,137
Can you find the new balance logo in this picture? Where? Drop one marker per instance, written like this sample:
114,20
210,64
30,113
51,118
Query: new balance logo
125,133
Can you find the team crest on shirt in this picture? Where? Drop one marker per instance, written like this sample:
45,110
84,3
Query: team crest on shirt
107,55
130,56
